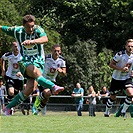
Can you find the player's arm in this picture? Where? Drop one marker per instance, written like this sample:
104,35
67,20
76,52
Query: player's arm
3,67
42,37
41,40
114,66
0,28
62,71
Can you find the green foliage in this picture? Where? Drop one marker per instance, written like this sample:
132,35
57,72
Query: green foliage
81,64
99,25
103,60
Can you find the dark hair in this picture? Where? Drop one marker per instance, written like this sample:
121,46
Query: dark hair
1,80
56,45
28,18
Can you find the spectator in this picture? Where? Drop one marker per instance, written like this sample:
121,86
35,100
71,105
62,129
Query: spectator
78,94
91,101
3,94
103,94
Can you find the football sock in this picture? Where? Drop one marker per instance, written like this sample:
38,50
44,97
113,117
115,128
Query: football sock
16,100
109,105
131,110
42,97
127,103
10,98
118,113
44,82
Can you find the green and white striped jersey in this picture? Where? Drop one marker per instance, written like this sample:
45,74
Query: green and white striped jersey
33,52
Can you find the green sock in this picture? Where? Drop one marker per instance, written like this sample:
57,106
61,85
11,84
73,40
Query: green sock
118,113
131,109
44,82
16,100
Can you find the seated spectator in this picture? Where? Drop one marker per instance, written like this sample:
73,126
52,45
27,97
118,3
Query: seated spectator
91,101
103,93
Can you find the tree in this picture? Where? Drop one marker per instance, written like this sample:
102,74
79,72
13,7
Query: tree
81,64
105,72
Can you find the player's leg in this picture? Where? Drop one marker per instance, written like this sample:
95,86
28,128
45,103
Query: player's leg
128,100
33,71
115,87
118,112
41,101
9,87
20,97
109,105
131,109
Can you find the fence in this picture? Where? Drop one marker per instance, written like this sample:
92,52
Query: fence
62,106
71,106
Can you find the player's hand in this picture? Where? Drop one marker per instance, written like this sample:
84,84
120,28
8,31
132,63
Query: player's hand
59,70
28,42
125,69
19,74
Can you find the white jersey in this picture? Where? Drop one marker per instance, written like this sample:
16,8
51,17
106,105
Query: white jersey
51,65
13,66
122,59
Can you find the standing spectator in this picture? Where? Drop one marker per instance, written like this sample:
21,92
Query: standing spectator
78,94
54,64
3,94
122,64
30,38
103,94
91,101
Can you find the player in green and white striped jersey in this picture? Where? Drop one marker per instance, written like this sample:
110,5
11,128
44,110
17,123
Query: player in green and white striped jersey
30,39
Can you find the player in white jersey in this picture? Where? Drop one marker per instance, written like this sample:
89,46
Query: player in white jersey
13,77
122,64
54,65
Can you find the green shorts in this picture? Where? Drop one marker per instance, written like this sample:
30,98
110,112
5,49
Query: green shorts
25,63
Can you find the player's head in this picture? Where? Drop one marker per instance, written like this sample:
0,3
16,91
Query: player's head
56,51
1,81
28,23
15,48
129,46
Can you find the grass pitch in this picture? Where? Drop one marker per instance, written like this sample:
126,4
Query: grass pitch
65,122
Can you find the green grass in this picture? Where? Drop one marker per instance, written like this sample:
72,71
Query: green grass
65,122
